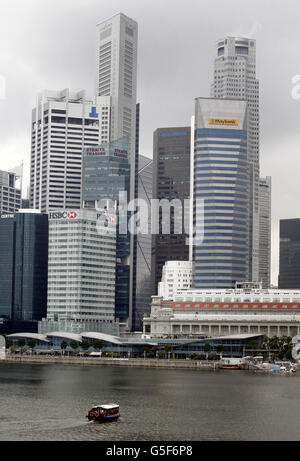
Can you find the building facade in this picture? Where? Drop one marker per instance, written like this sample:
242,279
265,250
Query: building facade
63,123
171,181
143,243
106,175
221,190
225,312
81,268
116,74
289,254
23,265
176,275
10,195
235,78
265,192
116,78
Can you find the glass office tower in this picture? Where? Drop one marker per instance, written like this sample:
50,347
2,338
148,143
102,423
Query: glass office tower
106,174
23,265
289,255
171,180
221,182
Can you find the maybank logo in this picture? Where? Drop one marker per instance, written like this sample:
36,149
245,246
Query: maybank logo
223,121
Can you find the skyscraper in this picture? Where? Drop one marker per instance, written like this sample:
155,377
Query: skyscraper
265,231
116,78
10,195
106,174
289,254
81,269
63,123
23,265
116,75
221,183
171,180
235,78
143,243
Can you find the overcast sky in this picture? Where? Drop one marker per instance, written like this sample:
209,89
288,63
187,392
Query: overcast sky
51,45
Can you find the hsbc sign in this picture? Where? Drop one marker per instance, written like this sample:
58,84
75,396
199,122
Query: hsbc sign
63,215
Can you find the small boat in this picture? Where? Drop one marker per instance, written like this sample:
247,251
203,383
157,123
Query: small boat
230,367
104,413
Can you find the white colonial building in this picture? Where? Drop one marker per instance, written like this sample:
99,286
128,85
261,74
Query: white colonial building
244,310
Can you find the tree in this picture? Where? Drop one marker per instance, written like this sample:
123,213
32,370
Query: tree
85,345
98,344
21,342
31,343
207,349
74,344
63,346
220,349
168,349
8,342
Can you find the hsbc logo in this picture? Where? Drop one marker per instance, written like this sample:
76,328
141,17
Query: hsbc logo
63,215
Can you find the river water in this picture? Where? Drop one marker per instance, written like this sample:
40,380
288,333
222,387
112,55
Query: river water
49,402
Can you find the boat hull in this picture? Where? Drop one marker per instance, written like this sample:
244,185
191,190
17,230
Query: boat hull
230,367
102,419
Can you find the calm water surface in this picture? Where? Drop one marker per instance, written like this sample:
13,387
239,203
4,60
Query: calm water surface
49,402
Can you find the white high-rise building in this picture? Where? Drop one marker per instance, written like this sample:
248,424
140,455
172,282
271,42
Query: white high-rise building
176,275
63,123
81,266
235,78
265,231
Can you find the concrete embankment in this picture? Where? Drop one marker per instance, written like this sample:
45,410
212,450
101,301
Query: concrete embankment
95,361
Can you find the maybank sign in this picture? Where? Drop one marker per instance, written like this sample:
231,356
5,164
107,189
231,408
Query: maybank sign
223,121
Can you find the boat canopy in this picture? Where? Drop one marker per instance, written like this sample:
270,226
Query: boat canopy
107,406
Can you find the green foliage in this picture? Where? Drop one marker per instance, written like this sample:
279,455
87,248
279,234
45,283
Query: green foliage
207,347
74,344
280,346
63,345
98,344
8,342
21,342
31,343
85,345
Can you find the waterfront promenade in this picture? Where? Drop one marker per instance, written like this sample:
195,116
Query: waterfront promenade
97,361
